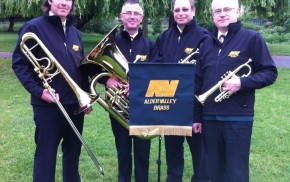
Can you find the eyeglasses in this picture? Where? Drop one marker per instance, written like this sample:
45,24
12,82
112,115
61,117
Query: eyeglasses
131,13
225,10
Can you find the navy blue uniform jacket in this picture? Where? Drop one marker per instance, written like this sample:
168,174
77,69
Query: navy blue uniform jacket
216,59
172,46
68,51
139,46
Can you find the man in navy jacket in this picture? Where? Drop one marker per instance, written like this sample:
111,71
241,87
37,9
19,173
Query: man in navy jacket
55,29
227,123
173,45
132,44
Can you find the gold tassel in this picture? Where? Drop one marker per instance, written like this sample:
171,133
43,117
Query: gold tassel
160,130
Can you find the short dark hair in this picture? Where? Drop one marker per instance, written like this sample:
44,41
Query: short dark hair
191,2
46,7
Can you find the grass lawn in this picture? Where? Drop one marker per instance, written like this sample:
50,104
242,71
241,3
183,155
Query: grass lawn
8,41
269,159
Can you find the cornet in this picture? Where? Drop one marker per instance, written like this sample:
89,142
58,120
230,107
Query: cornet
224,94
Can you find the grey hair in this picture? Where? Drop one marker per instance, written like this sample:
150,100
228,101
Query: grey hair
134,2
235,3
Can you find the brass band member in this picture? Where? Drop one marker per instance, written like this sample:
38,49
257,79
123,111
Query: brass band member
227,124
131,43
55,29
173,45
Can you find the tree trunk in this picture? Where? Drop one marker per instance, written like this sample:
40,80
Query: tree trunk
145,26
11,24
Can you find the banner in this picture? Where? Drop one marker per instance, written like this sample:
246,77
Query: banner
161,99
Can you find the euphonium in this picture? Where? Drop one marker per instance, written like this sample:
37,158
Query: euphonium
43,67
107,55
224,94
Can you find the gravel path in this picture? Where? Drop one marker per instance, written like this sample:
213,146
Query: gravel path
281,61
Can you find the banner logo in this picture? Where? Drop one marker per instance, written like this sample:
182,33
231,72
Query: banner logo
161,88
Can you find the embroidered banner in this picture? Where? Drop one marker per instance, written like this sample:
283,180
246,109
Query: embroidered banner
161,99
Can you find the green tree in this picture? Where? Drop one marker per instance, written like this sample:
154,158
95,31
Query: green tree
277,10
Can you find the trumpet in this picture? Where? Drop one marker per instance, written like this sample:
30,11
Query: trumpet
44,73
224,94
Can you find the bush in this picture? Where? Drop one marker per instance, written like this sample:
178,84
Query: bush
209,25
157,26
287,25
99,25
251,25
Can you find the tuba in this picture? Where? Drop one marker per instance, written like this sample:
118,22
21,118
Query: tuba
43,67
224,94
107,55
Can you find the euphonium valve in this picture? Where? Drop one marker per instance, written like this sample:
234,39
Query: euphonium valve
224,94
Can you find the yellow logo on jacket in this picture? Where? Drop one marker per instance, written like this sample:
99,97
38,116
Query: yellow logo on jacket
188,50
234,54
143,57
75,47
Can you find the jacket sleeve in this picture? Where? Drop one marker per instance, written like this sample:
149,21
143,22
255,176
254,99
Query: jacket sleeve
157,52
197,91
264,71
24,69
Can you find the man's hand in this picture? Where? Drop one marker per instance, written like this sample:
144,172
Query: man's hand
112,82
88,110
232,85
196,128
47,97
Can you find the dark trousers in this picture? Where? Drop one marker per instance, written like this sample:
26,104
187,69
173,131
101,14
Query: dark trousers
175,158
227,147
51,129
141,149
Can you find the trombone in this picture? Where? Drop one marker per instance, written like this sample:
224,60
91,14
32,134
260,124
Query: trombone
85,99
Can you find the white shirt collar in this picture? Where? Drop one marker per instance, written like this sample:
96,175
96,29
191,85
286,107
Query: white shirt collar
220,33
134,35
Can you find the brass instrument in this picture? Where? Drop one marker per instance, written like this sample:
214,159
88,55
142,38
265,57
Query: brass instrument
224,94
43,66
187,59
107,55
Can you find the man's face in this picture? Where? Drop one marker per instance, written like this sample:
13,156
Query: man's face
224,13
131,16
183,13
60,8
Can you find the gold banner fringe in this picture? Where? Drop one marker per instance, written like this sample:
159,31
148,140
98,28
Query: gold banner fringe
160,130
